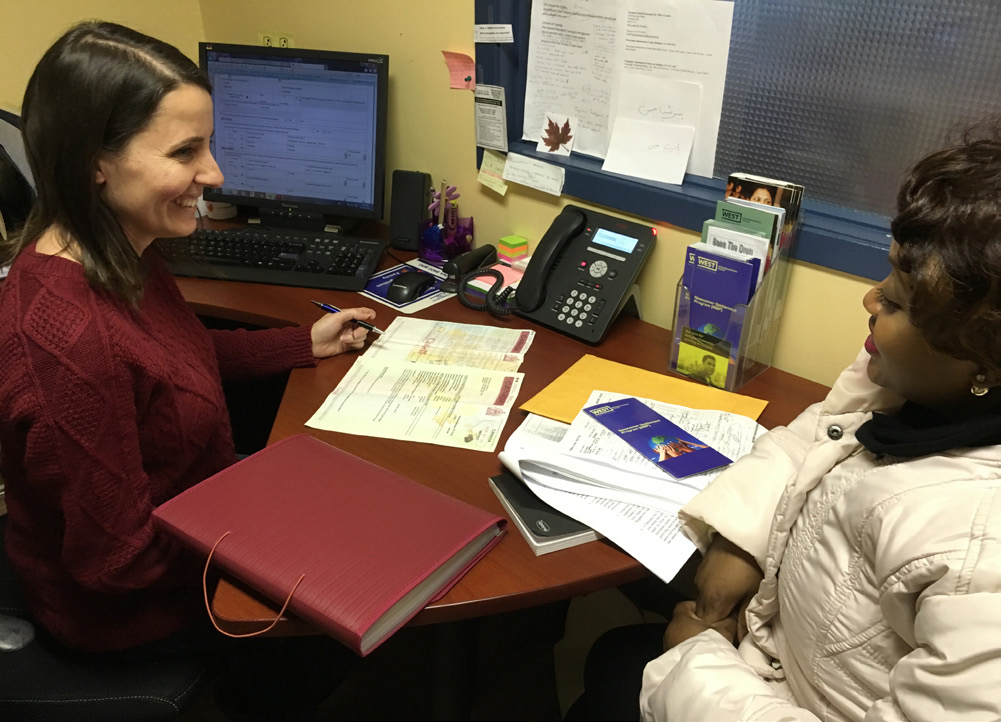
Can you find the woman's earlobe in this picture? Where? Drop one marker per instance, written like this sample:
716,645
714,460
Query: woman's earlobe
984,382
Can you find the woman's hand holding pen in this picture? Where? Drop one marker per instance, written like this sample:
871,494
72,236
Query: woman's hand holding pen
336,333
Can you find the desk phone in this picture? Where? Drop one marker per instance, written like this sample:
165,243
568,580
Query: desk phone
583,272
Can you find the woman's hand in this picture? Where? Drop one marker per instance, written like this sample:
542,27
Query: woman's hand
334,333
685,624
726,580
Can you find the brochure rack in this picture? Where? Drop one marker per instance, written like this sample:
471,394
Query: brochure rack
755,324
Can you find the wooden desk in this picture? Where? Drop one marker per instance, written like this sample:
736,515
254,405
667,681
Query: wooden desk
510,577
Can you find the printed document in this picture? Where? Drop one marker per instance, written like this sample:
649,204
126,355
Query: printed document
431,381
590,474
580,49
651,533
452,344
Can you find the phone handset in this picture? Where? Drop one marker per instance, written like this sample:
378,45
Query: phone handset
532,287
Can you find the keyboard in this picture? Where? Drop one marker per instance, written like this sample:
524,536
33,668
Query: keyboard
280,257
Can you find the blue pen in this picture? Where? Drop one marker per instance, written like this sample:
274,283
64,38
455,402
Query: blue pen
364,324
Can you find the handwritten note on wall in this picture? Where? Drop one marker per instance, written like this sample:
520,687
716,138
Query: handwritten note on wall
654,151
654,129
534,173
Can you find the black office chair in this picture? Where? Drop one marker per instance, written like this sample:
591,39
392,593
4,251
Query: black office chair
40,681
16,191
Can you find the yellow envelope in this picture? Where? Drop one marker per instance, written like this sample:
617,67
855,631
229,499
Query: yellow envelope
566,396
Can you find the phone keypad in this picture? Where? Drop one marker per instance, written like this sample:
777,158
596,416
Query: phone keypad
577,308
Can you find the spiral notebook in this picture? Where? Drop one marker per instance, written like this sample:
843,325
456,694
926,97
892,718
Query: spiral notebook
361,549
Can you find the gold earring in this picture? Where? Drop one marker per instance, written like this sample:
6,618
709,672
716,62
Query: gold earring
979,387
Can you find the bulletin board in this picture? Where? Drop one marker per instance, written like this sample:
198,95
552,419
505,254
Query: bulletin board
838,95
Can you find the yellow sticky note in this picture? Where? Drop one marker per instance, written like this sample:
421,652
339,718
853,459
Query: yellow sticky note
461,70
566,396
492,171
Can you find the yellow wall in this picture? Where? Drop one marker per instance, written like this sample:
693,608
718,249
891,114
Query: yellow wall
431,129
27,29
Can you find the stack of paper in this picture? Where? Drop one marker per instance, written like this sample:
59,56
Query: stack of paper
592,475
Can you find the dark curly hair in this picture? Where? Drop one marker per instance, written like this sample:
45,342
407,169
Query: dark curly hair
948,233
95,89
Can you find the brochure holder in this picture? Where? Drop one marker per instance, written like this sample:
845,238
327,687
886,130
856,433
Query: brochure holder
755,324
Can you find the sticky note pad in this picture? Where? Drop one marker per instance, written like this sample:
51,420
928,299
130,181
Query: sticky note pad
511,248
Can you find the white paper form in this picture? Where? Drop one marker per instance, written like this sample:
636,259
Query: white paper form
588,457
651,534
730,434
491,117
451,384
452,344
453,406
580,49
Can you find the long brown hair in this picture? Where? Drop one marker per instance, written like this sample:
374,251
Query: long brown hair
90,94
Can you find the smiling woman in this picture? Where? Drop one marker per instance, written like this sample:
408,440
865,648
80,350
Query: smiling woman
111,398
154,184
71,216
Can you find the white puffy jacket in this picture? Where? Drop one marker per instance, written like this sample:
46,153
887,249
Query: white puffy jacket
882,591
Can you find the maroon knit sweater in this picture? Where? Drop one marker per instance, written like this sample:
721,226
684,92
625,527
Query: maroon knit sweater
105,414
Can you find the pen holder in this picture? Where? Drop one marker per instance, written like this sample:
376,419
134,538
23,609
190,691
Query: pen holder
438,244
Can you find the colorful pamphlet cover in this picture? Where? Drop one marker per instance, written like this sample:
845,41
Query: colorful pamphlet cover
718,282
664,443
704,358
769,191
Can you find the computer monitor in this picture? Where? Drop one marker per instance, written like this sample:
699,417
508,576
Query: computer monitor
300,135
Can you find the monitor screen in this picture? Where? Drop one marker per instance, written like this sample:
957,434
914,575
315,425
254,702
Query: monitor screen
299,131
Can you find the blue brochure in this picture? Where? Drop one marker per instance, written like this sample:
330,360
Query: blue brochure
664,443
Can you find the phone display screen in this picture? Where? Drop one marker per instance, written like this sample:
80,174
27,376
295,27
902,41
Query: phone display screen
611,239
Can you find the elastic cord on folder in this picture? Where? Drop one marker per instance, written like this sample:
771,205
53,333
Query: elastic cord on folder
208,606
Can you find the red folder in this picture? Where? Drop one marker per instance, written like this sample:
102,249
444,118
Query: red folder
372,547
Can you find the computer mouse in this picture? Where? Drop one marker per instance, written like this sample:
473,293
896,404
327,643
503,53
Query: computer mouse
408,286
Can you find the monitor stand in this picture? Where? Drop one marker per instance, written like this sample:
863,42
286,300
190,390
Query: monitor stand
305,221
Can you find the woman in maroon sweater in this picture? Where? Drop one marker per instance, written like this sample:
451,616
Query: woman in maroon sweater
110,388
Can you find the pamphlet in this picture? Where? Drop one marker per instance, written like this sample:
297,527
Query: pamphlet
720,285
660,441
703,357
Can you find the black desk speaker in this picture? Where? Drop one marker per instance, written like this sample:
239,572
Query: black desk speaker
409,207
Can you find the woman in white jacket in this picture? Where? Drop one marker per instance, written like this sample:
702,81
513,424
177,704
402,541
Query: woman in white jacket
859,548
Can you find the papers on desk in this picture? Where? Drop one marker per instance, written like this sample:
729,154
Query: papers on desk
443,383
590,474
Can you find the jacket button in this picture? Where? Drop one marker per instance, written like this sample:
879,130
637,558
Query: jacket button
834,432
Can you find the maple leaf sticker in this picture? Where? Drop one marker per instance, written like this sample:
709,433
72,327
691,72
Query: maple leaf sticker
556,136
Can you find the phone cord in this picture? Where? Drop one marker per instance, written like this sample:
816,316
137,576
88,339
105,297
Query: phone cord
496,304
